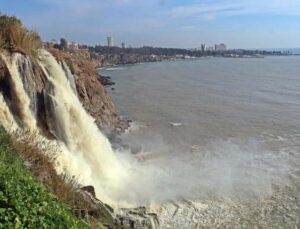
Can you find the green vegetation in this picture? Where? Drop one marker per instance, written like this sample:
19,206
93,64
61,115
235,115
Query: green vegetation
144,51
24,202
14,36
171,52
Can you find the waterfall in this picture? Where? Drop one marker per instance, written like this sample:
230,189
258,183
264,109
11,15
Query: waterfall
90,154
80,149
69,76
26,73
28,118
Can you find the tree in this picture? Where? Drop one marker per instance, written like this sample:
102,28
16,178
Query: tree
63,43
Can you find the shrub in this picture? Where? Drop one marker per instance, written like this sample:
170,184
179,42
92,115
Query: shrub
13,35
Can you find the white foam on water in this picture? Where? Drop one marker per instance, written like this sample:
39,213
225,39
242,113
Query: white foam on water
113,69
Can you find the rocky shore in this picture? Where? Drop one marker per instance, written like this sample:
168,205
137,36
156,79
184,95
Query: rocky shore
107,60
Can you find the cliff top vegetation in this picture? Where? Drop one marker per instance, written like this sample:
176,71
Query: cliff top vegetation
15,37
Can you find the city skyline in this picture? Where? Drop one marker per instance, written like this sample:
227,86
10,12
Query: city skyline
164,23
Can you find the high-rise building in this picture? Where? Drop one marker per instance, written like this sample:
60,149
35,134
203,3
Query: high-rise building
203,47
223,47
110,41
220,47
123,45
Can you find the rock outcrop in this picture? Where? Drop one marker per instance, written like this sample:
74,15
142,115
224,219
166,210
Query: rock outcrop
138,218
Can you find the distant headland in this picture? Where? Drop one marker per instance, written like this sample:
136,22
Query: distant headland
109,54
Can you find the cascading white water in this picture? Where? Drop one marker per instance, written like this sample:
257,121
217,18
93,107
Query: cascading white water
7,120
90,155
80,150
28,118
69,76
28,133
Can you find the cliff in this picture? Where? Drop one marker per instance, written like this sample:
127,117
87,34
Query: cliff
45,101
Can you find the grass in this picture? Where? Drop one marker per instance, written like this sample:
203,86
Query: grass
24,202
64,187
15,37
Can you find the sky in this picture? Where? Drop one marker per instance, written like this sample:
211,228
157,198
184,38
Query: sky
164,23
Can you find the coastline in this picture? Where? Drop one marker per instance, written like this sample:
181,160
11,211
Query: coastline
117,65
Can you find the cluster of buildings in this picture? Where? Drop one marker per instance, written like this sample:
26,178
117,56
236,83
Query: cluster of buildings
70,46
218,48
110,43
74,46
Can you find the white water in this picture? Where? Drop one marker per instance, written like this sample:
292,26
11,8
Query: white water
28,134
29,120
69,76
89,156
80,150
7,120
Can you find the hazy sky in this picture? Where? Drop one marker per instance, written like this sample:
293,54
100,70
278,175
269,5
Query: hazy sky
168,23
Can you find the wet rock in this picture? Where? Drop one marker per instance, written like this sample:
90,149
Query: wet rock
90,189
138,218
106,80
97,209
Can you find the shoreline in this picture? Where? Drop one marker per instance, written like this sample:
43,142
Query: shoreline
190,59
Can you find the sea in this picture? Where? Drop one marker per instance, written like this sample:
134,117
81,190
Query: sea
218,139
